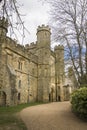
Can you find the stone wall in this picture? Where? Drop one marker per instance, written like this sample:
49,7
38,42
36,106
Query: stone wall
32,72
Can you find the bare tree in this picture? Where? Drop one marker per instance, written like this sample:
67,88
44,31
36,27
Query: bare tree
69,22
9,9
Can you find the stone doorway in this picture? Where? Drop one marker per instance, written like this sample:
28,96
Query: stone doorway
66,93
51,95
2,98
58,93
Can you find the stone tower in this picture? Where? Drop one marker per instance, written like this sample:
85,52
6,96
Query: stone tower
43,47
3,26
3,31
59,72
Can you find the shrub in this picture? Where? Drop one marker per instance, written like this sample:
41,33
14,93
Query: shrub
79,102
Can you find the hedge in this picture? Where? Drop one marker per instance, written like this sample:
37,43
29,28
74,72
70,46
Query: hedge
79,102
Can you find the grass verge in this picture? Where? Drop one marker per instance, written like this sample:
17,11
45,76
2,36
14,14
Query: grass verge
9,118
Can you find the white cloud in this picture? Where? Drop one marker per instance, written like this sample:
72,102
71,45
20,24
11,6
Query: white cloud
35,15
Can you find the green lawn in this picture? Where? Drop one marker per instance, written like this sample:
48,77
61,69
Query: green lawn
10,119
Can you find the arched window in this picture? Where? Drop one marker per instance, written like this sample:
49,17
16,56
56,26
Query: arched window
19,65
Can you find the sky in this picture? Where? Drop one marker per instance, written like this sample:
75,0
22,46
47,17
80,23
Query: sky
35,14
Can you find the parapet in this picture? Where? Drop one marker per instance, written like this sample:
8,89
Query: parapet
4,23
31,45
43,28
59,47
13,45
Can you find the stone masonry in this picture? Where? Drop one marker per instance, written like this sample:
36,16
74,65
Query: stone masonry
32,72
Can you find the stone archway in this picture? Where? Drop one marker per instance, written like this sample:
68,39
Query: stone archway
19,95
2,98
66,92
58,93
51,95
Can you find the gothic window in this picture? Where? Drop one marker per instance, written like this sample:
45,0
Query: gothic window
19,65
19,84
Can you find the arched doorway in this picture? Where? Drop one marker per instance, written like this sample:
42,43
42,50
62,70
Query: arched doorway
2,98
66,93
19,96
58,93
51,95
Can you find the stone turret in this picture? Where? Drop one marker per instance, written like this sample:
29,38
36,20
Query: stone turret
43,36
59,52
59,71
43,44
3,26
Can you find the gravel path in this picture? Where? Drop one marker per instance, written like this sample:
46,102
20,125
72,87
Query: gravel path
53,116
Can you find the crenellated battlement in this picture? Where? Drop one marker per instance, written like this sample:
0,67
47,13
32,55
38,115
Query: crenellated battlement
31,45
43,28
19,49
13,45
59,47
